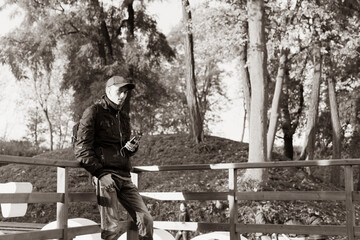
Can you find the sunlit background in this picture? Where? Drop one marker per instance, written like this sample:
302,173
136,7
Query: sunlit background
168,14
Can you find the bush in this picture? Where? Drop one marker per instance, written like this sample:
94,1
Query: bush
19,148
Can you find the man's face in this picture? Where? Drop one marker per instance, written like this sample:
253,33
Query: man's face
117,94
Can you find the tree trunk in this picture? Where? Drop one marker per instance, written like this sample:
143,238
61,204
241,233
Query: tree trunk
336,131
276,102
289,124
243,125
46,113
309,141
355,124
257,72
287,128
196,126
203,101
130,38
246,87
104,41
286,125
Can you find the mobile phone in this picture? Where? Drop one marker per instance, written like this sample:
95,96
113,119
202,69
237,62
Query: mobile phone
135,139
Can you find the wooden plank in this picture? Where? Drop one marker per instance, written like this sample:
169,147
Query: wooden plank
221,166
38,235
203,196
16,230
356,196
350,210
82,197
226,166
329,230
38,161
191,226
36,197
77,231
62,207
181,196
293,195
21,225
233,204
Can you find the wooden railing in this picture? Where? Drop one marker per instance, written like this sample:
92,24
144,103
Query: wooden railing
63,197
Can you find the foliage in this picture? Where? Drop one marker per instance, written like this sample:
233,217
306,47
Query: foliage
35,127
20,148
96,40
298,26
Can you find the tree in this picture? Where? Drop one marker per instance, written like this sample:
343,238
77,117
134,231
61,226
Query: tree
257,71
100,40
29,59
196,123
213,46
284,39
246,86
35,128
336,128
276,102
312,114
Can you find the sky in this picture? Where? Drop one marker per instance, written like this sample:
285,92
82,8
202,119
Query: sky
168,13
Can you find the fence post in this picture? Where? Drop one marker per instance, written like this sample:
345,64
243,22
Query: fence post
233,203
132,233
350,211
62,207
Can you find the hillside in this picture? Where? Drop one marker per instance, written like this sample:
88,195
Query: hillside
174,150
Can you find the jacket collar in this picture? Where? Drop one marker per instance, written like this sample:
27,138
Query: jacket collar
108,104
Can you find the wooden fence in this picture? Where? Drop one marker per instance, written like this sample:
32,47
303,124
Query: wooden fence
63,197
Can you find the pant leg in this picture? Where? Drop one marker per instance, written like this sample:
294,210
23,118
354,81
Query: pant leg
110,213
132,201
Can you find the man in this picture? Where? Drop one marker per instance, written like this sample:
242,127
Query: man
103,149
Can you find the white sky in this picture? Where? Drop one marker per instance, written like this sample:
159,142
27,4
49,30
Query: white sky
168,13
11,116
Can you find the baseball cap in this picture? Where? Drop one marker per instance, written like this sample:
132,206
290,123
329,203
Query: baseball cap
120,82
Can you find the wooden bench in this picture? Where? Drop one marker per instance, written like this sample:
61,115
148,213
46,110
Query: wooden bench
16,227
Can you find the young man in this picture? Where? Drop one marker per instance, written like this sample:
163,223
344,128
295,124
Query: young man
103,149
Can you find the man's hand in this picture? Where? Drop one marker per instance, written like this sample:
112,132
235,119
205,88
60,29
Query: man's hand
131,147
107,182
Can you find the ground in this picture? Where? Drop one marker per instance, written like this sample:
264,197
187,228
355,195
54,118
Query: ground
175,150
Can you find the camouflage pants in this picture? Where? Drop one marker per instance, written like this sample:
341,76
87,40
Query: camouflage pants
126,194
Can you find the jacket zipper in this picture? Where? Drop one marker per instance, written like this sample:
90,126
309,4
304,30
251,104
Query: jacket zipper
120,135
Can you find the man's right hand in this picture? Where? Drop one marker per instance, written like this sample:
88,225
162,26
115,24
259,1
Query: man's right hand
107,182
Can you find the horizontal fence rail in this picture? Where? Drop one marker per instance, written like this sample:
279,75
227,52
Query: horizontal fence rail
63,197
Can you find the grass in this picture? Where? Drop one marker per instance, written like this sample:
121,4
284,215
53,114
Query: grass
175,150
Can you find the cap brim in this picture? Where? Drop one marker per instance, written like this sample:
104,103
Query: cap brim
128,85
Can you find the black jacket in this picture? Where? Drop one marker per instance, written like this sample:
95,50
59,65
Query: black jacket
101,137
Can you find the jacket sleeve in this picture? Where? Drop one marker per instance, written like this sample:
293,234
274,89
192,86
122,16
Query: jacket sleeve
84,146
